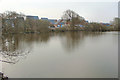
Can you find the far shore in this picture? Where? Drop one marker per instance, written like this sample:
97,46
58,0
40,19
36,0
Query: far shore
61,31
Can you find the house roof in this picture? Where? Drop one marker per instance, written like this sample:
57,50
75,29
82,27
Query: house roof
32,17
52,21
107,24
60,22
44,18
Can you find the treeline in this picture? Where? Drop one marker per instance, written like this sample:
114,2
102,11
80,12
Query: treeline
13,22
98,27
89,27
74,19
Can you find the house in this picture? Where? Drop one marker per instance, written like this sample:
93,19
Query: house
60,23
44,18
86,21
52,21
106,24
32,17
79,25
57,23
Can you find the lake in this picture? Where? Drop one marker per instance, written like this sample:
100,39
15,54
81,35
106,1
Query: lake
60,55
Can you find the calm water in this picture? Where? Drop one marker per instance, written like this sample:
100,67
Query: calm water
61,55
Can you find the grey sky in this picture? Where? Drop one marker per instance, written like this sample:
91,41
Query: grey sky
91,10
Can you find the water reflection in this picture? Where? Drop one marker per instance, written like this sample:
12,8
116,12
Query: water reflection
17,45
13,47
73,40
47,55
9,49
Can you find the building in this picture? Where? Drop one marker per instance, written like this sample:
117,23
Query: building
52,21
57,23
44,18
32,17
60,23
106,24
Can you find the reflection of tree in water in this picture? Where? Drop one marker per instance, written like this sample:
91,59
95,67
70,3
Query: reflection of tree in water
12,57
13,47
72,40
9,49
42,38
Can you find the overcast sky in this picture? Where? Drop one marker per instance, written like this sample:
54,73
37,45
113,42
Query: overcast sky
91,10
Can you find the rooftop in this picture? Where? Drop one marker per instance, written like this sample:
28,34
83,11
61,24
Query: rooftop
33,17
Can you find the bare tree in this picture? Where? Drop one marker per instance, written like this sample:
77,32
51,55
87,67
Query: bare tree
73,18
11,15
32,25
10,20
